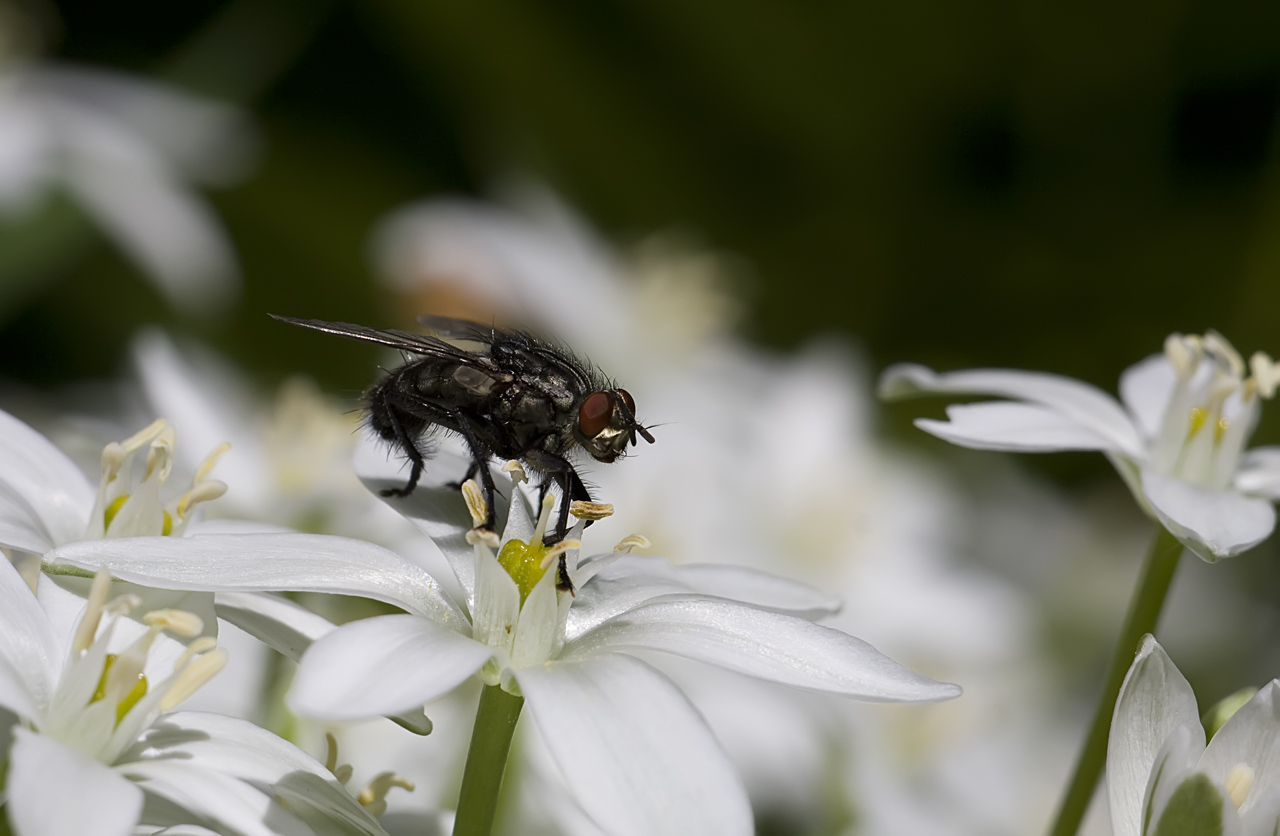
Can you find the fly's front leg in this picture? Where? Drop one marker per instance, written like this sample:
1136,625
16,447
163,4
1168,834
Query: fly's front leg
557,469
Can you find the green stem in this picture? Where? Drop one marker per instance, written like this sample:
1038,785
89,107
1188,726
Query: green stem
1144,612
486,761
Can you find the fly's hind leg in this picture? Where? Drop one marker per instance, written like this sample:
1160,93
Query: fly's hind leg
557,468
410,448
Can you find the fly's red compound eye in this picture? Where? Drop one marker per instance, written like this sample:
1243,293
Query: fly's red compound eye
595,413
628,400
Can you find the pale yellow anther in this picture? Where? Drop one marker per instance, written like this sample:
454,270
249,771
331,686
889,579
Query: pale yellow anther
558,549
193,677
590,510
1266,374
115,454
1183,354
200,492
88,626
373,797
1238,783
483,536
178,622
632,541
1216,346
475,503
201,645
210,460
123,604
516,470
160,454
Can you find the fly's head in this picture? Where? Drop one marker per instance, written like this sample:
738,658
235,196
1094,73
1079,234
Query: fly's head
607,424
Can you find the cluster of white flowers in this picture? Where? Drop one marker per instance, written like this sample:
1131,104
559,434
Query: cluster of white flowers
261,571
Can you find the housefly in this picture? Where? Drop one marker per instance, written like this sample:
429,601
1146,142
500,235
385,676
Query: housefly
505,393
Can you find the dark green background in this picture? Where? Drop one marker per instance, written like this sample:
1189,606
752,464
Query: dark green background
1051,185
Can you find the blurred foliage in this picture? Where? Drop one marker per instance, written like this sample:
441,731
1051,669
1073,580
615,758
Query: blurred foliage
1046,185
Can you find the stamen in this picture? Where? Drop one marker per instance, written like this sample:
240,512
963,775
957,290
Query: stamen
1216,346
1238,783
115,454
475,503
179,622
88,626
201,491
590,510
193,677
201,645
341,772
1183,354
544,516
160,455
483,536
557,550
210,460
632,541
123,604
516,470
1266,374
373,797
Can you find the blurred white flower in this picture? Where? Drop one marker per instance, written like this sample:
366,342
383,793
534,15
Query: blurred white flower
1178,440
122,148
45,501
91,696
1161,778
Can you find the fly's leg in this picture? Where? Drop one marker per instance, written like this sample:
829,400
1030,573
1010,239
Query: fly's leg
557,469
479,462
407,444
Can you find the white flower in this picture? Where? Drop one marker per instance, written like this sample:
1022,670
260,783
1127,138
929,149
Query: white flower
1178,440
121,148
638,757
90,693
45,501
1162,779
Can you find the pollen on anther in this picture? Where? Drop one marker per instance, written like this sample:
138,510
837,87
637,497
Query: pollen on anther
475,503
590,510
632,541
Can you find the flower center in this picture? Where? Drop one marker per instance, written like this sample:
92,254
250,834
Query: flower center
1212,410
124,509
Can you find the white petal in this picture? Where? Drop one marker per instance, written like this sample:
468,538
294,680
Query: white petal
539,620
1213,524
53,790
1190,804
231,804
268,562
1263,818
15,696
1251,736
496,609
382,665
1019,427
1259,472
435,506
633,579
27,639
281,624
44,498
766,645
1081,403
1154,700
638,756
1145,389
239,748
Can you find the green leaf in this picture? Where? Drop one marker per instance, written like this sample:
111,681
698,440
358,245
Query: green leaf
1194,809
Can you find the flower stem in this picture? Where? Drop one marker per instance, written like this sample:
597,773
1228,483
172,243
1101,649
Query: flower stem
1144,612
486,761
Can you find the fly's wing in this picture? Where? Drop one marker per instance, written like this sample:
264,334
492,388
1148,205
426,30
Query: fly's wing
423,345
464,330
